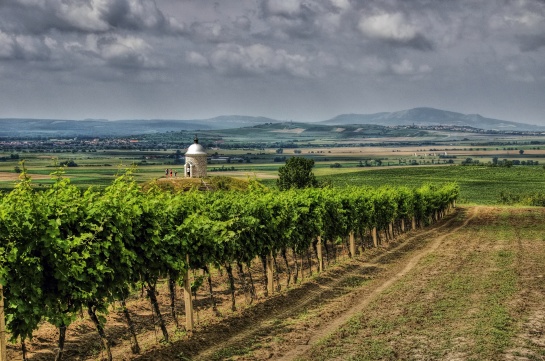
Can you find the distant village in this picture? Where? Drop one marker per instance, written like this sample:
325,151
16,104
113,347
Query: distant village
142,143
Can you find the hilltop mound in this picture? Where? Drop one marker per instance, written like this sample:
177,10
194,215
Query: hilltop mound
209,183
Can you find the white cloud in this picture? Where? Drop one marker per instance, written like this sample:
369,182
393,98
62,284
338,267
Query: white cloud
406,67
86,16
243,22
145,12
330,23
211,31
24,47
176,26
6,46
198,59
341,4
387,27
372,64
515,72
121,51
258,59
31,47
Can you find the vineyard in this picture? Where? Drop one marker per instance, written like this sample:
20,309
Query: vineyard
65,250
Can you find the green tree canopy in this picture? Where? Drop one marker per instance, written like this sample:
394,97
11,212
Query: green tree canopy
297,173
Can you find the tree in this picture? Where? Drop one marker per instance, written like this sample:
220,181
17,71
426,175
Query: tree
68,163
521,152
297,173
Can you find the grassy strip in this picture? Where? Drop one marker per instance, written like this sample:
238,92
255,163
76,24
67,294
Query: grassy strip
454,304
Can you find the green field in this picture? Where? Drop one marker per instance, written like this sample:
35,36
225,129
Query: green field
478,184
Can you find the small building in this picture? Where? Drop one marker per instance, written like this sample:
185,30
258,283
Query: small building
195,160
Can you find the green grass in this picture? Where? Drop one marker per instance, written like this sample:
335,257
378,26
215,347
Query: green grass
466,309
478,185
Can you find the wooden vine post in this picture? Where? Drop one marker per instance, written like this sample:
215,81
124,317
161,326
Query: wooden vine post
374,235
413,223
352,242
187,299
3,356
270,274
391,230
402,224
320,256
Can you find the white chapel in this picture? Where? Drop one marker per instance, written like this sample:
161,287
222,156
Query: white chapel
195,160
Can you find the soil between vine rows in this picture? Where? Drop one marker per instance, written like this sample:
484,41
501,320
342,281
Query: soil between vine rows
309,321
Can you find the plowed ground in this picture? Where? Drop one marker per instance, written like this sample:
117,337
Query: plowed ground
470,287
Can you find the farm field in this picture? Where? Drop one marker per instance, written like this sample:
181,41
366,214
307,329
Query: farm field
99,167
470,287
480,184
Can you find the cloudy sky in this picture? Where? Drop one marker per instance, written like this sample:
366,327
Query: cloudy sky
303,60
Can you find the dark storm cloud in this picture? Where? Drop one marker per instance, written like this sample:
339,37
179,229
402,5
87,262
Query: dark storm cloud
303,19
528,25
86,16
82,33
251,54
531,42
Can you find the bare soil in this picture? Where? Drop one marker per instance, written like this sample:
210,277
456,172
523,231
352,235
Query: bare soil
9,176
407,282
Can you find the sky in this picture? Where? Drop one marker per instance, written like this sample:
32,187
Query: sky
301,60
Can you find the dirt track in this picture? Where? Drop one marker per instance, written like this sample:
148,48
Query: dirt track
286,326
469,287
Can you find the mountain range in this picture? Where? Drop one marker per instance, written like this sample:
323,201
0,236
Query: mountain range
54,128
430,117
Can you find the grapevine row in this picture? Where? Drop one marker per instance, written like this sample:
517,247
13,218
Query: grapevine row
63,250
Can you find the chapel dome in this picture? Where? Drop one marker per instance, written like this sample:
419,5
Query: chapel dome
195,148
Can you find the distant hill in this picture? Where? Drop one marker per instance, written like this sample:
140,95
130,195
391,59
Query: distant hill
119,128
53,128
431,116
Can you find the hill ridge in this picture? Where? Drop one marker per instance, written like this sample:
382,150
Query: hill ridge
426,116
420,116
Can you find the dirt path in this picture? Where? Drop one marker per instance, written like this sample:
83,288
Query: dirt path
318,334
327,299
